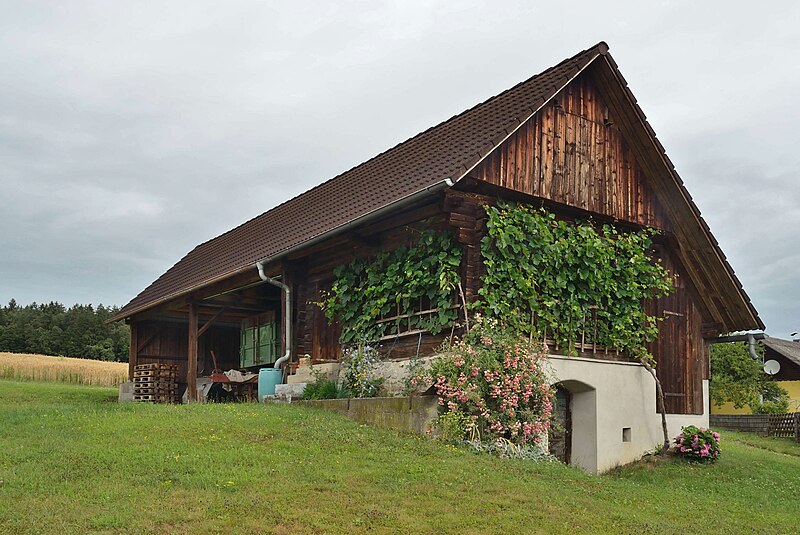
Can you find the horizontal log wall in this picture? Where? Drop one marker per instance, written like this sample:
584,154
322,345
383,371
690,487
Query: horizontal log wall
467,218
681,352
315,334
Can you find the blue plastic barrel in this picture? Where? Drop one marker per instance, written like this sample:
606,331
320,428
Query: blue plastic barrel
267,379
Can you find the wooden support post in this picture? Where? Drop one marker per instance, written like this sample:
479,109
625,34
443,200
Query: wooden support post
133,351
191,371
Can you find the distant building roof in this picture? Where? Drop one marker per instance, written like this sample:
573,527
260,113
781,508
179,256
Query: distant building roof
786,348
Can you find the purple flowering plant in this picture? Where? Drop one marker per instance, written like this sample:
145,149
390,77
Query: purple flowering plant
498,380
697,444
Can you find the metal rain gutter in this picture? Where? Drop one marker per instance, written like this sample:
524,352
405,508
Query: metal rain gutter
287,314
446,183
750,338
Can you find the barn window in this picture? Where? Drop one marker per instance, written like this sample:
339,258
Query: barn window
258,343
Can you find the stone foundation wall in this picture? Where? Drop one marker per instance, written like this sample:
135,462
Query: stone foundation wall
395,373
415,414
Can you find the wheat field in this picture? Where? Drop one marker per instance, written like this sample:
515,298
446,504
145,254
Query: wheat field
26,367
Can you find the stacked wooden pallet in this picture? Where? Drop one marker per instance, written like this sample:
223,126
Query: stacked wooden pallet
155,383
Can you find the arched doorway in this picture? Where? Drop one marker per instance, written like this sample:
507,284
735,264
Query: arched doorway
560,437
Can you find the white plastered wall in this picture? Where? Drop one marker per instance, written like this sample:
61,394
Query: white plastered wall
608,396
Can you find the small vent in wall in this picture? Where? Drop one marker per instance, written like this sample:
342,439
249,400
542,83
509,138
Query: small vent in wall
626,434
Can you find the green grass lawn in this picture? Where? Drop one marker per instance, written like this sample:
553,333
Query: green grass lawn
72,460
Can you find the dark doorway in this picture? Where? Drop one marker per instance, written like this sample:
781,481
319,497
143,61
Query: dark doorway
561,427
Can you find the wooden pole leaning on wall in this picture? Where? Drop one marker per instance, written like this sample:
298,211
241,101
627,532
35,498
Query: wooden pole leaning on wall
191,370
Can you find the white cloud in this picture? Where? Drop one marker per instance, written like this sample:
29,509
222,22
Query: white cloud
130,132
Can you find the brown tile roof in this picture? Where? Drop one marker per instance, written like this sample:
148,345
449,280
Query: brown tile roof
448,150
787,348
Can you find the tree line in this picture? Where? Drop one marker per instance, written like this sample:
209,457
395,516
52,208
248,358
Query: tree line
53,329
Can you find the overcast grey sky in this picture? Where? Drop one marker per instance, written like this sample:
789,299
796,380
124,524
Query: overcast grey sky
132,131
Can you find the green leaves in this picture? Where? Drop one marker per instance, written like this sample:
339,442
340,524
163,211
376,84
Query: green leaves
570,279
395,283
739,379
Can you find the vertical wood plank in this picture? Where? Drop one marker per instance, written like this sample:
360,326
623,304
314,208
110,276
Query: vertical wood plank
568,153
537,156
527,168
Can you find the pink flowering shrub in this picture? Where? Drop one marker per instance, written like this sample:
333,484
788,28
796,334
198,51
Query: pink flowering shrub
698,444
498,380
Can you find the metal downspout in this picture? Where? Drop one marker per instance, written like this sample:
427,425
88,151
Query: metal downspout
287,314
446,183
751,347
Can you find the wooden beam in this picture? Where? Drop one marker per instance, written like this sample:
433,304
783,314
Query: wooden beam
250,276
208,324
133,351
191,371
711,329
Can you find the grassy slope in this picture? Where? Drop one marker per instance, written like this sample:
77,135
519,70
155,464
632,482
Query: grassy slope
72,461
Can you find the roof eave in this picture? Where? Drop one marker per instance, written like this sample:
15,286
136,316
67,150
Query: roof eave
364,218
753,321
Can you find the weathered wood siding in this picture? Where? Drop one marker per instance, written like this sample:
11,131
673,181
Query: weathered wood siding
681,352
789,371
318,337
572,153
168,342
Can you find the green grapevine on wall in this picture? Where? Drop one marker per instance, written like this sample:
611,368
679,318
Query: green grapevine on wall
369,289
545,276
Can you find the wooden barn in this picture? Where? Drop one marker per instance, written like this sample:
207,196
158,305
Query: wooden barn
572,139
